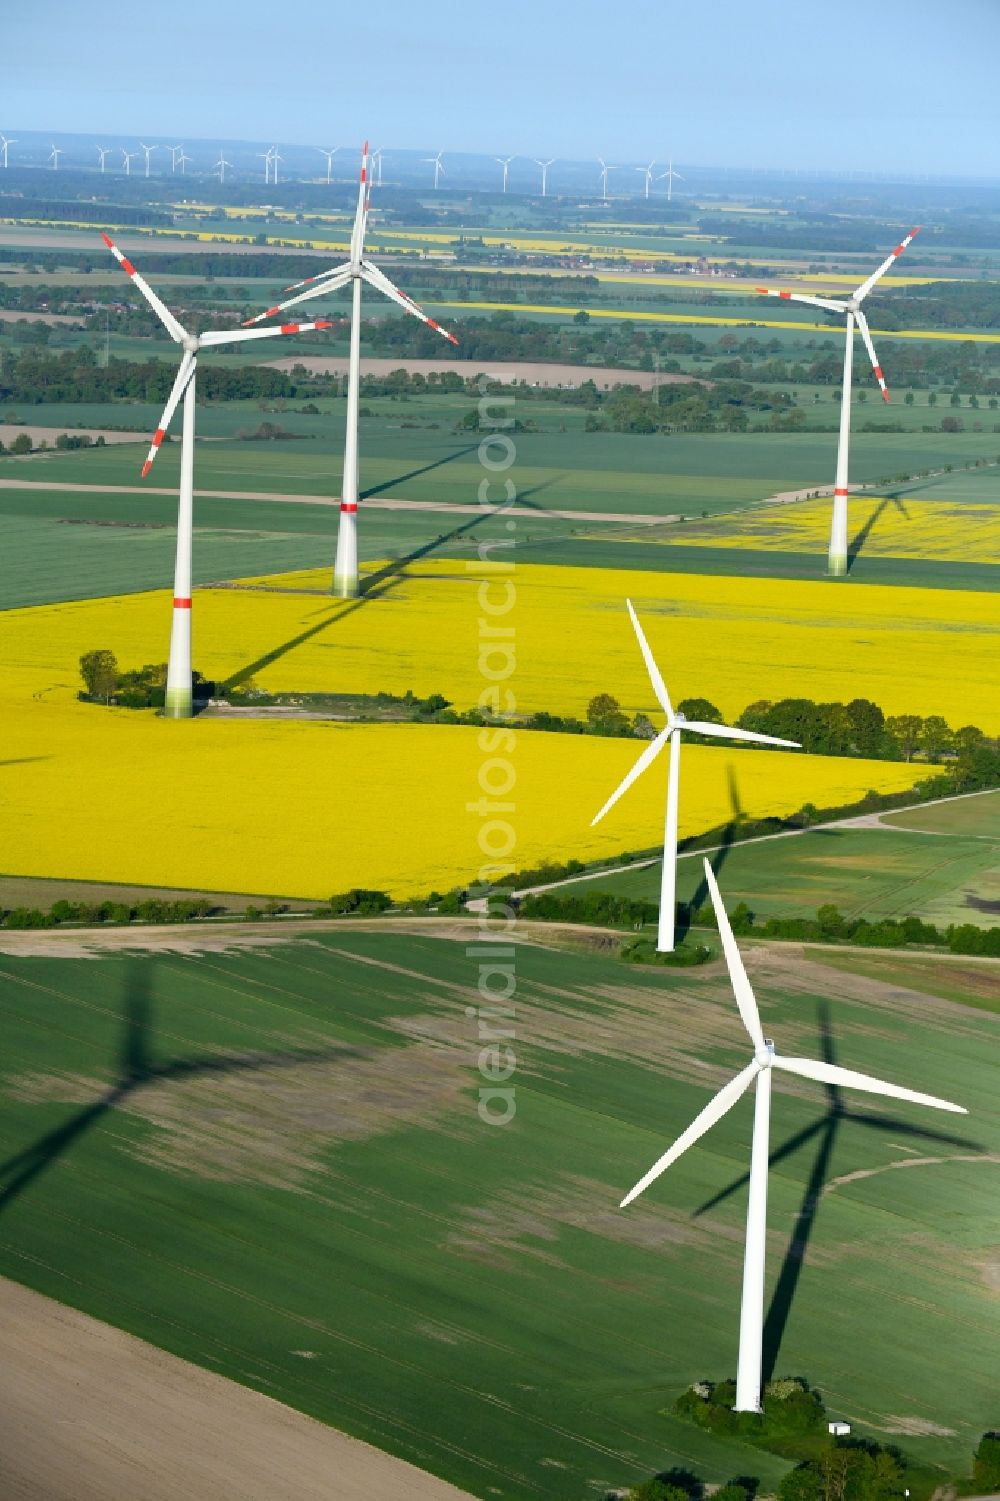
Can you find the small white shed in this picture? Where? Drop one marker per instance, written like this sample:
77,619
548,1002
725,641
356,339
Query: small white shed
839,1430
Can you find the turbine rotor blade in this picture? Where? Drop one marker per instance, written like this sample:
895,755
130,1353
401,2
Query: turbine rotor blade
185,371
240,335
361,213
730,732
745,998
832,1073
862,323
378,279
713,1111
647,758
166,317
866,286
655,677
333,283
824,302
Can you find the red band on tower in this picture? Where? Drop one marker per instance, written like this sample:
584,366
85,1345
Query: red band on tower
182,604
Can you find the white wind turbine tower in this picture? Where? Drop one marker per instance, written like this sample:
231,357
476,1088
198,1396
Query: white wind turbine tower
675,726
183,159
649,176
758,1072
671,177
5,144
175,152
545,171
329,154
376,157
127,159
851,307
275,159
356,270
54,156
504,162
178,703
265,157
605,169
438,166
103,152
221,166
148,152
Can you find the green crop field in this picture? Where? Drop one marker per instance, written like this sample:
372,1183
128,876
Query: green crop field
946,871
270,1162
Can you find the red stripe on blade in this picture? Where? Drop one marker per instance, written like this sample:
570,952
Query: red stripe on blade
159,436
146,468
290,328
784,294
885,393
878,373
182,604
127,266
107,240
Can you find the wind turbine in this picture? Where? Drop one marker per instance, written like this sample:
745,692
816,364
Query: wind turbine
670,175
438,167
377,167
183,159
148,151
5,143
329,154
355,270
649,175
851,307
275,159
265,157
221,166
675,726
178,704
103,152
127,159
758,1072
605,169
545,171
54,156
504,162
175,152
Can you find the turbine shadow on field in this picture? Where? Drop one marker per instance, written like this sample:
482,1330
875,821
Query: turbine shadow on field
373,586
718,858
856,546
136,1068
824,1132
401,479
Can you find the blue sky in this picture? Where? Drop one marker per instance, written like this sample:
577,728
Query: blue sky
909,86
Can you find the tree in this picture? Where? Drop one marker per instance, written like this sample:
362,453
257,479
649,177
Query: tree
867,726
986,1465
905,730
582,317
699,708
604,715
908,398
932,399
21,444
935,737
99,670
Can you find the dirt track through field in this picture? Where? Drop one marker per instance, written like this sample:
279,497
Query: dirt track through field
88,1413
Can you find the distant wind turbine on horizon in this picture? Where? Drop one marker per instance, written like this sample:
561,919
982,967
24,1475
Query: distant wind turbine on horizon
220,167
54,156
670,177
103,152
759,1072
605,169
329,152
504,162
128,157
148,151
5,144
545,171
438,166
648,171
851,308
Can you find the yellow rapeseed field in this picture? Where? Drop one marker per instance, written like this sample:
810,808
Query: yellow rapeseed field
306,808
732,640
960,531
